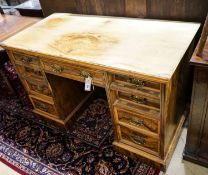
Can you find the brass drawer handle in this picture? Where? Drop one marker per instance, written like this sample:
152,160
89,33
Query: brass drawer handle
85,74
137,99
56,68
43,107
138,140
138,83
140,122
137,122
26,60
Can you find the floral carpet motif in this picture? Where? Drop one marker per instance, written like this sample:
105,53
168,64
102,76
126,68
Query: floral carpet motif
94,124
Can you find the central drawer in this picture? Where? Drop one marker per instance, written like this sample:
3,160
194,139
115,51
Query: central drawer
78,73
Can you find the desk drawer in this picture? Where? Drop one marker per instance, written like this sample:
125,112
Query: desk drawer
139,141
26,59
40,87
30,72
43,106
141,85
140,100
74,72
146,124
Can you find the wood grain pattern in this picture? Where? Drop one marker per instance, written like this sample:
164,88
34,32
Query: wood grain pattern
203,153
177,101
140,109
49,7
200,60
198,109
139,140
196,143
148,88
43,106
109,42
136,8
10,25
30,72
67,94
73,72
203,38
140,100
183,10
168,9
114,8
141,122
196,148
38,87
26,59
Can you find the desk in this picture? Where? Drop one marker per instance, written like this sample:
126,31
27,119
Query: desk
142,64
9,25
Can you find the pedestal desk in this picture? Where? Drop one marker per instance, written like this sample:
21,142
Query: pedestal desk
142,64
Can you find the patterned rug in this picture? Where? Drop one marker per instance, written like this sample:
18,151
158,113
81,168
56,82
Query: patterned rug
94,124
35,147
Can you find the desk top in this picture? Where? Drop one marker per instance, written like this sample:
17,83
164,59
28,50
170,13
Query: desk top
10,25
147,47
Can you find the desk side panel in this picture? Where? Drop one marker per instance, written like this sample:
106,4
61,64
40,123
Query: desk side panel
178,93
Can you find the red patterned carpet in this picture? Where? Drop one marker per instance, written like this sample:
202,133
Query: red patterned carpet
35,147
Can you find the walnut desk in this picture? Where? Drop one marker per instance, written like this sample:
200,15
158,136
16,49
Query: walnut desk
142,64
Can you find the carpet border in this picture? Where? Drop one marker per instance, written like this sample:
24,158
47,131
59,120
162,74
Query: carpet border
31,158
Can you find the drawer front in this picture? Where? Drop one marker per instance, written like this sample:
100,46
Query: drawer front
30,72
141,85
141,122
26,59
76,73
140,100
139,141
43,106
39,87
